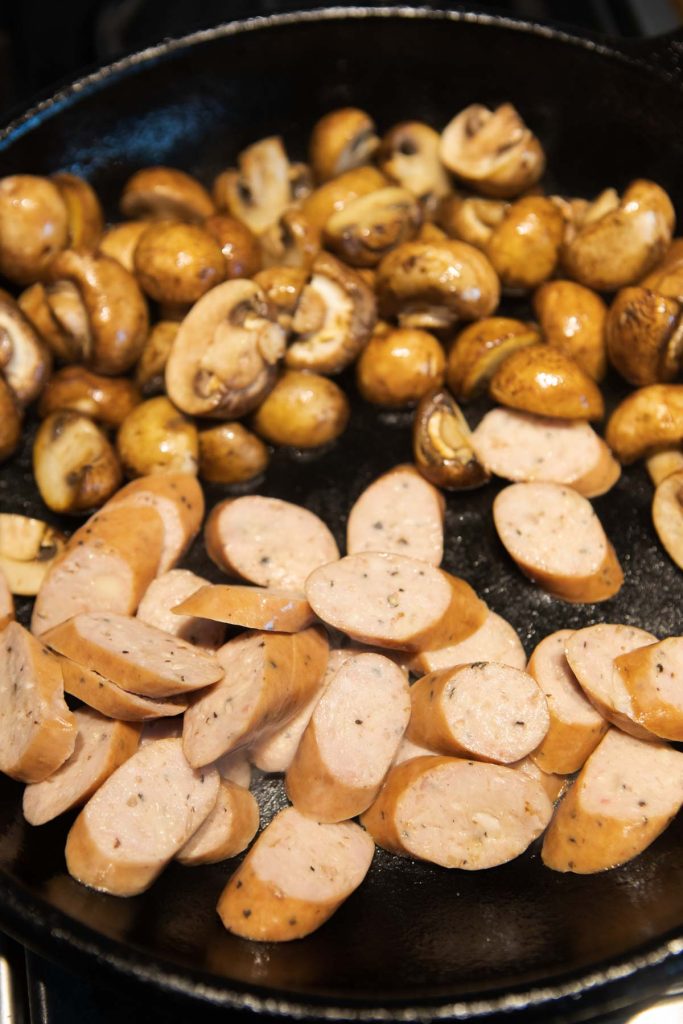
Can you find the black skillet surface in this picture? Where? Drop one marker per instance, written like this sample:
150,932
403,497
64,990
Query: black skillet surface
415,940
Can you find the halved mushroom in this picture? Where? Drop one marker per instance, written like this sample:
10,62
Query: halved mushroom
224,358
471,218
24,359
572,318
178,262
151,366
667,516
74,465
304,410
667,277
261,190
399,365
543,380
335,194
646,421
492,150
644,333
480,349
333,320
238,243
10,421
120,242
432,285
158,193
231,454
524,247
34,226
292,242
84,213
409,155
618,247
156,438
28,547
370,226
282,287
340,141
442,444
107,400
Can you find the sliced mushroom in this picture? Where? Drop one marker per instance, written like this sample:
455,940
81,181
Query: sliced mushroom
107,400
480,349
667,516
471,218
368,227
28,547
335,194
120,242
225,355
261,190
231,454
572,318
177,262
646,421
158,193
432,285
238,243
492,150
644,333
24,358
282,287
156,438
667,277
340,141
57,313
543,380
618,247
74,465
442,444
399,365
304,410
151,366
34,226
524,247
409,155
662,464
84,213
292,242
333,320
10,421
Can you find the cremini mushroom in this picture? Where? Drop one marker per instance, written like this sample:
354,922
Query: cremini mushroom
399,365
334,195
644,333
238,243
107,400
60,318
28,547
178,262
472,219
156,438
572,318
294,241
74,465
409,155
667,277
442,444
304,410
24,358
333,320
282,287
479,350
34,226
10,421
646,421
368,227
667,516
620,246
524,247
492,150
435,284
231,454
262,189
662,464
120,242
225,355
340,141
85,218
151,366
545,381
161,193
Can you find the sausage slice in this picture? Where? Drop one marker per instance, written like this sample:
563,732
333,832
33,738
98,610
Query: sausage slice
294,878
37,730
626,794
100,693
495,640
653,677
229,828
351,740
407,750
101,746
164,594
252,607
555,786
234,768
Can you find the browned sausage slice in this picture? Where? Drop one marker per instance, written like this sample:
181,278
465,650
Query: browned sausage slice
576,727
264,608
485,710
162,729
626,794
268,541
351,739
400,512
100,693
495,640
229,828
37,730
294,878
653,677
101,746
135,656
557,540
234,768
459,814
164,594
407,750
554,785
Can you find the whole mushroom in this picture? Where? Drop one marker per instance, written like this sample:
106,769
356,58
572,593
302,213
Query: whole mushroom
156,438
644,333
340,141
74,465
399,365
162,193
177,262
524,247
572,318
304,410
34,226
409,155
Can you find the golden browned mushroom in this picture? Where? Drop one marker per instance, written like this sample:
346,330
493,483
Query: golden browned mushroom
304,410
399,365
84,213
333,320
572,318
409,155
231,454
430,232
34,226
177,262
368,227
292,242
620,246
282,287
492,150
225,355
524,247
10,421
662,464
165,193
28,547
74,465
335,194
667,277
471,218
156,438
433,285
239,245
107,400
340,141
261,190
151,366
545,381
442,444
24,358
667,516
120,242
480,349
646,421
644,333
57,313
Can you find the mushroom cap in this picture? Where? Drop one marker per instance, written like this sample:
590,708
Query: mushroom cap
156,438
10,421
399,365
261,190
480,348
165,192
84,213
294,241
120,242
409,155
472,219
524,247
340,141
370,226
231,454
58,314
333,195
25,359
178,262
667,276
644,336
545,381
572,318
107,400
74,465
33,226
647,420
151,366
238,243
304,410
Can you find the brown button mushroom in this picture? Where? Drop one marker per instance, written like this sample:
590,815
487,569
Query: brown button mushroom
471,218
74,465
34,226
524,248
57,314
156,438
644,333
545,381
84,213
409,155
107,400
161,193
333,320
28,547
480,349
646,421
24,358
282,287
151,366
662,464
292,242
572,318
399,365
667,277
261,190
340,141
492,150
225,355
442,444
177,262
334,195
624,243
239,245
120,242
231,454
304,410
10,421
370,226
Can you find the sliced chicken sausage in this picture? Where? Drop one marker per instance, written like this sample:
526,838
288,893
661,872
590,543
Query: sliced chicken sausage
165,593
252,607
495,640
229,828
653,677
100,693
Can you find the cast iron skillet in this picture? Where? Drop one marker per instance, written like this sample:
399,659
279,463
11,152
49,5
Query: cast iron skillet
415,940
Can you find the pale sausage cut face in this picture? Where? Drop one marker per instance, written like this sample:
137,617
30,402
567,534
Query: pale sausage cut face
87,577
653,677
167,591
559,684
628,780
495,640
